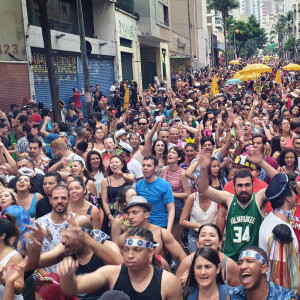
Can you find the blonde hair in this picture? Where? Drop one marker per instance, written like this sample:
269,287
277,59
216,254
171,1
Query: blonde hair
58,144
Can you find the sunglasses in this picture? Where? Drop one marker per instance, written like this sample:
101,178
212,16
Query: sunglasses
142,124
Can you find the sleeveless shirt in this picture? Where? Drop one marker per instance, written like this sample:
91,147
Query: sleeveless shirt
152,291
242,227
94,264
4,262
197,215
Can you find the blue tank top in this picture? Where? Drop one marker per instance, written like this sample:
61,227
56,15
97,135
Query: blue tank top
32,209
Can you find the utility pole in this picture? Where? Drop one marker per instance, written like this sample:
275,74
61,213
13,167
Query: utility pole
84,58
190,38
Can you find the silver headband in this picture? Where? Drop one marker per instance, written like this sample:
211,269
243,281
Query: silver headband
140,243
253,254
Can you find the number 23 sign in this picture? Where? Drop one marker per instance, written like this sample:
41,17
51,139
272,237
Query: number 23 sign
6,49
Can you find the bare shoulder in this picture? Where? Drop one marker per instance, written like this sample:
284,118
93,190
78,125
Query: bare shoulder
170,286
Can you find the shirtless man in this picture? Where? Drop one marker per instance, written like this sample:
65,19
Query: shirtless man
137,277
138,210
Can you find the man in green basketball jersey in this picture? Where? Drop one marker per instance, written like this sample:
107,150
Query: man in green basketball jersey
245,208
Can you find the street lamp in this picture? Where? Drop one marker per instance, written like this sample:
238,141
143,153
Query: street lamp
236,31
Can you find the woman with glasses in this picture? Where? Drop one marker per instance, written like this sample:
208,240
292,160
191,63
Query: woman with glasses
118,178
288,161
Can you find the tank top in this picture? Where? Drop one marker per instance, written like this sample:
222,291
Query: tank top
197,215
4,262
32,209
152,292
112,191
94,264
242,227
174,178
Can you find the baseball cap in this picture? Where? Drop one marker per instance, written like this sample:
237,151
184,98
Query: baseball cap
138,200
112,295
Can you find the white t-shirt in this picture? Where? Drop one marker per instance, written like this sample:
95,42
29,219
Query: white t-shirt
98,181
54,237
267,227
134,167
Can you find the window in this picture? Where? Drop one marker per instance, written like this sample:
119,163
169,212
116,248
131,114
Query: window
62,15
166,15
125,43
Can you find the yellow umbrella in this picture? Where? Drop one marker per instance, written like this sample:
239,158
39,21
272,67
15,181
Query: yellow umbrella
246,77
256,68
278,78
234,62
292,67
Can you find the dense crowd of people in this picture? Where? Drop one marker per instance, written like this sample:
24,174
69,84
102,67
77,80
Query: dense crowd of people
179,193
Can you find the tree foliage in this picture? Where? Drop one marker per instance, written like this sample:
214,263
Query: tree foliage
249,36
223,6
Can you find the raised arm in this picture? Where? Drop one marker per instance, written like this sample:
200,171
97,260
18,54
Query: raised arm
72,285
172,245
148,143
220,197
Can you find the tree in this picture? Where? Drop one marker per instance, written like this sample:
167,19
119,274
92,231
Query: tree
249,37
283,30
290,45
44,22
224,6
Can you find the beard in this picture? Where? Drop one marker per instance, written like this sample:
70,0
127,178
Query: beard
244,197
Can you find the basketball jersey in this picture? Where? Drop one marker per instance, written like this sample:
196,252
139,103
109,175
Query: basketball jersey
242,228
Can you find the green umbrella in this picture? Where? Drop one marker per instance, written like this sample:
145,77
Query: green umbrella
233,81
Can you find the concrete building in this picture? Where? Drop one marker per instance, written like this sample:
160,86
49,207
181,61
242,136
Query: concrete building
65,39
265,7
189,46
154,35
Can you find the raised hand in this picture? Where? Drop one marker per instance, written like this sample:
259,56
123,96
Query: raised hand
14,271
38,233
67,267
204,160
255,156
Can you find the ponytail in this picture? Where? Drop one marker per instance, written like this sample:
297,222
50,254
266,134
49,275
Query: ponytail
9,226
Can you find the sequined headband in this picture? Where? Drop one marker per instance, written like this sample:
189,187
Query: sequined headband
253,254
140,243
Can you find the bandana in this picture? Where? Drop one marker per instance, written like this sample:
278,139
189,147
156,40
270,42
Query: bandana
26,171
253,254
140,243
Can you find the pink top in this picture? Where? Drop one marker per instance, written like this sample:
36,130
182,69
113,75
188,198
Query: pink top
174,178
